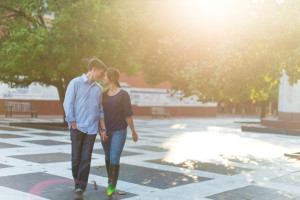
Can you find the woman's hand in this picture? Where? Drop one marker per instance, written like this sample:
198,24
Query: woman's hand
134,136
103,136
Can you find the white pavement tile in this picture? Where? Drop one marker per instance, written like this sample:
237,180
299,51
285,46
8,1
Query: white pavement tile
206,140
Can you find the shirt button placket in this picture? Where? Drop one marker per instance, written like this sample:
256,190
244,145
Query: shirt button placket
90,103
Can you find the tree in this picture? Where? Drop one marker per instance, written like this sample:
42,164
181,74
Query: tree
238,55
53,53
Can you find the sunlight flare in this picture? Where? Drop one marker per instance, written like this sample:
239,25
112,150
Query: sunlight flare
213,145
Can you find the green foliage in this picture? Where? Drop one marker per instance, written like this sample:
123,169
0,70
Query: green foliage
237,56
52,52
236,52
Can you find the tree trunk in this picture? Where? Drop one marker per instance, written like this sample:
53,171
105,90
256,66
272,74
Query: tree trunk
61,88
263,105
234,109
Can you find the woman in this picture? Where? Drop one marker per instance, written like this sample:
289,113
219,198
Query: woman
117,115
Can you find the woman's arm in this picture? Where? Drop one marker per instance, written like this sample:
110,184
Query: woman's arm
130,123
103,134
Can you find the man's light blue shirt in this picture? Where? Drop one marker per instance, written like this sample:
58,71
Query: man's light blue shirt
83,104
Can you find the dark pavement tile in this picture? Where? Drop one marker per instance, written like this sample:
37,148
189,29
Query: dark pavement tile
52,187
45,158
253,192
246,161
5,145
45,134
4,166
155,136
46,142
124,153
129,138
10,129
150,148
290,179
227,197
203,166
151,177
7,135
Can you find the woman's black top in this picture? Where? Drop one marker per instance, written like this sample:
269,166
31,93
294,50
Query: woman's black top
116,109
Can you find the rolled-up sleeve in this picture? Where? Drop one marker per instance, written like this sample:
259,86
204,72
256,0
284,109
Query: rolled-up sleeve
101,111
69,102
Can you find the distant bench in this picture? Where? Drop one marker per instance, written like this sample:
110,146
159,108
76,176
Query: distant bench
159,112
20,107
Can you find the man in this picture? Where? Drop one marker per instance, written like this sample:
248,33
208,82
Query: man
83,108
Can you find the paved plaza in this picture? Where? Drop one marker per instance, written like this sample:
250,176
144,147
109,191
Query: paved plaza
174,159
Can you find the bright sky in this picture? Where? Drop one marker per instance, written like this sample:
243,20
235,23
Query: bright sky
196,15
190,12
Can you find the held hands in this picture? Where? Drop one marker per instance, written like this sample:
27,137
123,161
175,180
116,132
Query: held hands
103,135
134,136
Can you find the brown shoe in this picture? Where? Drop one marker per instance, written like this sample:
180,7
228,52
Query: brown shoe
78,195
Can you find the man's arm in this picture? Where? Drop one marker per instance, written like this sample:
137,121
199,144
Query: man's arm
69,104
102,126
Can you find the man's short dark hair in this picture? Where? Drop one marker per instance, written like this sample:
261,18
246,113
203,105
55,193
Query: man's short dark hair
95,62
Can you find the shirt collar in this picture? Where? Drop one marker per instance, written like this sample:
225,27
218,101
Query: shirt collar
86,80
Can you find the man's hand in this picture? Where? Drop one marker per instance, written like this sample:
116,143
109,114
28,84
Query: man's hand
103,136
74,125
134,136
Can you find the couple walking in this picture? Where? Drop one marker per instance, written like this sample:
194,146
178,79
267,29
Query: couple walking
90,111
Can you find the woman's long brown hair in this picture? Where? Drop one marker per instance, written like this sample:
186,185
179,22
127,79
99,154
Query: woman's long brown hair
113,76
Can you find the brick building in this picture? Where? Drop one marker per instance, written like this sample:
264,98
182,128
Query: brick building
143,97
